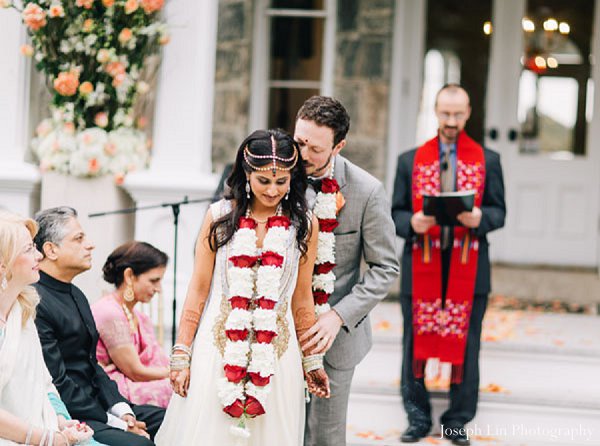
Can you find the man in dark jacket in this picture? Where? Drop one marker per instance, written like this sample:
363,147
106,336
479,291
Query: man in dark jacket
445,269
68,335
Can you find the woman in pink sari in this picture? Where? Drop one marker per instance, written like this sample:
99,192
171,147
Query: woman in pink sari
127,348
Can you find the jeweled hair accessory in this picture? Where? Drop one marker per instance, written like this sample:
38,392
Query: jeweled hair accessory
273,156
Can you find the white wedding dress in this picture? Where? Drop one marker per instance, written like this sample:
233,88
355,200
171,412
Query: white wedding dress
199,419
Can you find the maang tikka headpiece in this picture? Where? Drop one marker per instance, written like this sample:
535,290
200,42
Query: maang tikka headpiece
273,156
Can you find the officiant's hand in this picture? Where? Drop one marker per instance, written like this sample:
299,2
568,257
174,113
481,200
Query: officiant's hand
318,383
180,381
421,222
470,219
321,335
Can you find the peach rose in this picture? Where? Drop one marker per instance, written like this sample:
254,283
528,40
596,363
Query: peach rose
56,10
110,148
103,55
87,4
69,128
34,16
93,166
125,35
115,68
150,6
66,83
88,25
131,6
164,39
86,88
142,122
101,119
4,3
108,3
27,50
119,178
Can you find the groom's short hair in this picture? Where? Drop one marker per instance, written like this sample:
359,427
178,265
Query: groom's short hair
329,112
52,224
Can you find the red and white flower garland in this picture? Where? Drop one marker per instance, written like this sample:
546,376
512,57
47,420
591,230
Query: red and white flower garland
325,209
249,356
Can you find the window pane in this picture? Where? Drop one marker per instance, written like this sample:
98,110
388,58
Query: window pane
456,50
297,4
296,48
284,104
555,89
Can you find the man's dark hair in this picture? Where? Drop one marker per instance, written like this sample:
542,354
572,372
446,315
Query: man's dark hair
52,224
329,112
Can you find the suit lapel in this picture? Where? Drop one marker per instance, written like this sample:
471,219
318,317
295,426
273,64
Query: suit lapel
86,315
340,171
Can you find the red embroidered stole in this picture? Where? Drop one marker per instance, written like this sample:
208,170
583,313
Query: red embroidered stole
441,332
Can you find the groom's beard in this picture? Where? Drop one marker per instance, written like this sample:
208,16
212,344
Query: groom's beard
318,170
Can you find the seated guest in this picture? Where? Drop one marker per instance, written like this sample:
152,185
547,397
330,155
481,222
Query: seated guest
27,395
69,337
128,349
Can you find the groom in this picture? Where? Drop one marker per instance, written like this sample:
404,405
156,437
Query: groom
365,230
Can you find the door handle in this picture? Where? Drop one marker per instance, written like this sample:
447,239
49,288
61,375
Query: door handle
493,134
512,134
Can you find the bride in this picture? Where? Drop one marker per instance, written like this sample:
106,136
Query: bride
237,368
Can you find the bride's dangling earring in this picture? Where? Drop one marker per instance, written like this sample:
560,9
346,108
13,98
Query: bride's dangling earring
287,195
248,189
4,283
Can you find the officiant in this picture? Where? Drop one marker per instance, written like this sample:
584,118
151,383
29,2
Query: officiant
445,269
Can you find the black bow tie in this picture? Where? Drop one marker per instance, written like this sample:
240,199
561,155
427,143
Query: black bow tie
315,183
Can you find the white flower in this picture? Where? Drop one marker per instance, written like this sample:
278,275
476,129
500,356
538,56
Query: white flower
238,319
258,392
236,353
263,360
325,206
65,47
240,432
264,320
276,239
228,392
244,243
241,281
324,282
325,248
268,281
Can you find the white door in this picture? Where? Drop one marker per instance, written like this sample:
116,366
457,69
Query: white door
540,117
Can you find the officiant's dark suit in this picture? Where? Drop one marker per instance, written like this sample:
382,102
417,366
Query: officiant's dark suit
69,337
463,396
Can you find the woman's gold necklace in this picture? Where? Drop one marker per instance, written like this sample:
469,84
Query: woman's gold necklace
129,317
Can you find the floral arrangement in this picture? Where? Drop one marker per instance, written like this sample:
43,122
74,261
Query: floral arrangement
326,209
251,326
94,56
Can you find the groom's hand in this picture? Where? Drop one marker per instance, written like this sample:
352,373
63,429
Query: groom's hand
320,336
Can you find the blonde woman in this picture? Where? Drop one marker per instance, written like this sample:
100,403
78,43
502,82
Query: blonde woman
27,415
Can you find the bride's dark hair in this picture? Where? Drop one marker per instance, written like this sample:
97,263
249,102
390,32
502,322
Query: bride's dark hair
259,143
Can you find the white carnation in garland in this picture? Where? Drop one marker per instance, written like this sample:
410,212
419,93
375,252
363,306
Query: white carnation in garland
236,353
241,281
276,240
324,282
265,320
325,206
258,392
228,392
238,319
244,243
263,359
267,282
325,248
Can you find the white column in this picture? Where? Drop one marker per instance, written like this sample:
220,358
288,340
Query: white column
18,179
181,155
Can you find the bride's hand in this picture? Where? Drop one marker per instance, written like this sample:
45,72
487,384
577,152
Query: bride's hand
180,381
318,383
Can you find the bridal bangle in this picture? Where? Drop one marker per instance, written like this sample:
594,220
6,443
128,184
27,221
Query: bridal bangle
180,361
312,362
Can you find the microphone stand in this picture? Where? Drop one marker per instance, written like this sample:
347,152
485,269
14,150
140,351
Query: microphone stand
175,209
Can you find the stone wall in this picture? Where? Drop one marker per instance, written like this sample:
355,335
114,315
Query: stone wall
362,77
232,79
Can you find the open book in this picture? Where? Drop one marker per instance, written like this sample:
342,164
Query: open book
447,205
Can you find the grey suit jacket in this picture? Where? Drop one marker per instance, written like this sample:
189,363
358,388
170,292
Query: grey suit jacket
366,231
